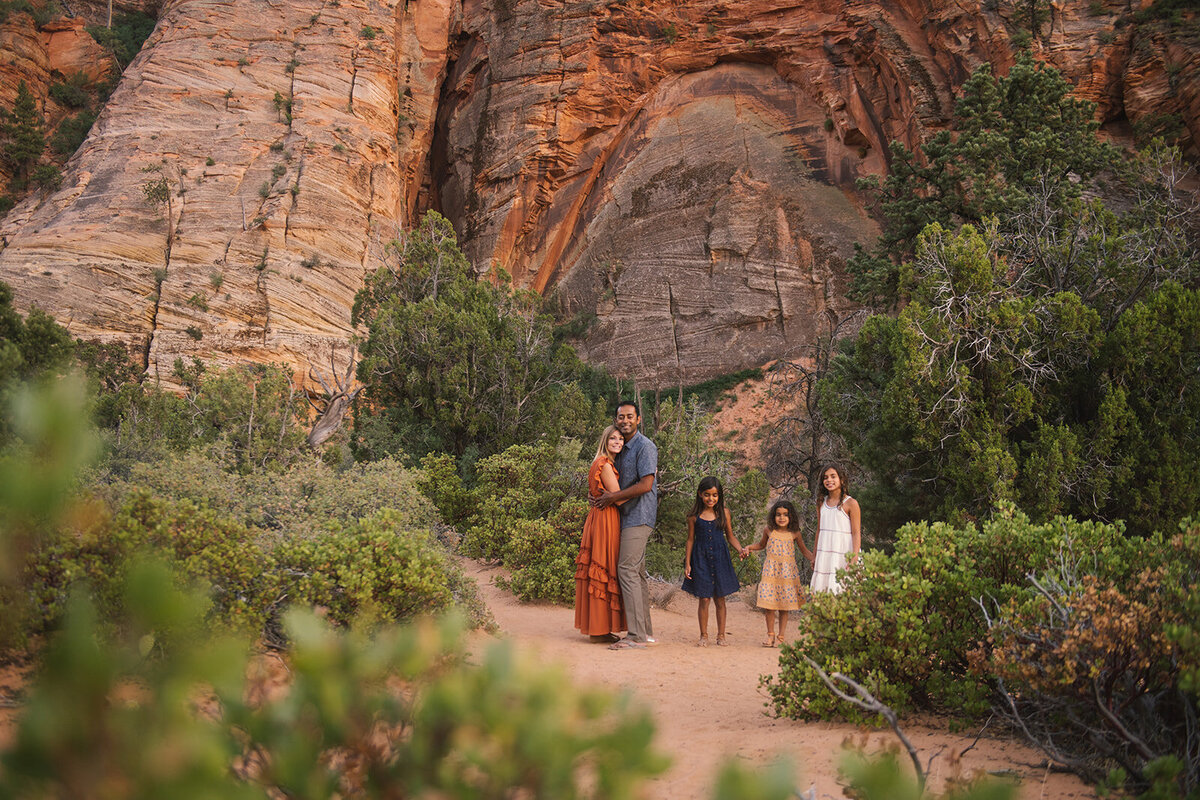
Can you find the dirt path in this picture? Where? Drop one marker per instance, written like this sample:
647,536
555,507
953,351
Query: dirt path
707,704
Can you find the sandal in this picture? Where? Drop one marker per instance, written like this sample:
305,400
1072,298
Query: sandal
626,644
703,642
721,642
770,642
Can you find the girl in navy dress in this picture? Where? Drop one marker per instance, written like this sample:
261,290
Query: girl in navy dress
707,569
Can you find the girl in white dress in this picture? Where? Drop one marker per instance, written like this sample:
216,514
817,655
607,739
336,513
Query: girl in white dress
838,531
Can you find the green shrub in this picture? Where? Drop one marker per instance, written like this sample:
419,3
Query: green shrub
907,621
881,777
71,133
541,554
31,347
440,482
46,176
41,13
376,570
50,442
197,544
298,502
523,482
72,92
1089,664
125,38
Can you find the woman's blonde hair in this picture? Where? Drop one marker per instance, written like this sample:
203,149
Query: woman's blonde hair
602,450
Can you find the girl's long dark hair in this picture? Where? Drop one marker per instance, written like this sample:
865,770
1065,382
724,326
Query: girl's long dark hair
793,518
719,509
823,493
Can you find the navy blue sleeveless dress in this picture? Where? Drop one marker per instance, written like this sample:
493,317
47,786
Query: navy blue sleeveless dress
712,569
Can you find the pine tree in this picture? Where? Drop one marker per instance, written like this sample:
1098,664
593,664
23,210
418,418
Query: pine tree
23,137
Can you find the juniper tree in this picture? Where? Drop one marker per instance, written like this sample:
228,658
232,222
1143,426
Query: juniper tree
24,140
1048,353
454,363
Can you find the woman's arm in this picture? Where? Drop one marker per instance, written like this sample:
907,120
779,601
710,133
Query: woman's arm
687,551
733,540
608,479
855,514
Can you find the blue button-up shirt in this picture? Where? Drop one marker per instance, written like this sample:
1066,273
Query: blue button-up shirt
636,461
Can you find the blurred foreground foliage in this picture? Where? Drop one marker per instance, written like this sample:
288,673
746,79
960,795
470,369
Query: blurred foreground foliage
399,713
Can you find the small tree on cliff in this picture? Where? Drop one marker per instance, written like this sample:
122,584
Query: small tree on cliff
453,363
23,137
1014,140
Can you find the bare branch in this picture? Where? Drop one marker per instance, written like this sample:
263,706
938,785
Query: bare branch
867,701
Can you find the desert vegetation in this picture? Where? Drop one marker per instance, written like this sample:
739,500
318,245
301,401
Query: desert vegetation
1021,410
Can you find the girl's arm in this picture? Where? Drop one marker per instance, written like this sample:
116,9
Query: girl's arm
687,551
761,543
804,548
855,514
816,540
733,540
608,479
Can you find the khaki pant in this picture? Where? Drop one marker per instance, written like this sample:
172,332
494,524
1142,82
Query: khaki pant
632,575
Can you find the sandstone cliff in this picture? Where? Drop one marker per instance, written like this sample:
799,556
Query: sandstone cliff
684,171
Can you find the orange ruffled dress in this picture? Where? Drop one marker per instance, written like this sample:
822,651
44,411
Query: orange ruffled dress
598,608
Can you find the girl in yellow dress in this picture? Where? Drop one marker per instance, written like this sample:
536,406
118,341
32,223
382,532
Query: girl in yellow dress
779,589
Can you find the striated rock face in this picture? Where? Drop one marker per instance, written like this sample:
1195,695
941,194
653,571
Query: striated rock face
684,171
228,199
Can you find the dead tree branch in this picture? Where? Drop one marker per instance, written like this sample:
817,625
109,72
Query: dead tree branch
867,701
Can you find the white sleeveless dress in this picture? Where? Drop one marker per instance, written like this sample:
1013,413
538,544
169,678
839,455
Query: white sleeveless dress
833,545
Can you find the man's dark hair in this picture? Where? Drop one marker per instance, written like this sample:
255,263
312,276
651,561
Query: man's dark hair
636,409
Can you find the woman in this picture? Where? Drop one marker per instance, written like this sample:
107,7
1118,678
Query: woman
598,609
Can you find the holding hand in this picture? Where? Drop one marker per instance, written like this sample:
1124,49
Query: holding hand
687,570
603,501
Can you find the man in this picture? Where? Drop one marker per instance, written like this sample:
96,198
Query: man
637,466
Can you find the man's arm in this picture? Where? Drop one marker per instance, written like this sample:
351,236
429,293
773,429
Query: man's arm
636,490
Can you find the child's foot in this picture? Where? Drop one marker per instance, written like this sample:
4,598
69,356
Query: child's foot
703,642
770,642
721,642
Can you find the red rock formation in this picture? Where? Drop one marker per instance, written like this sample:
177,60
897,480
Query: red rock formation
25,59
685,171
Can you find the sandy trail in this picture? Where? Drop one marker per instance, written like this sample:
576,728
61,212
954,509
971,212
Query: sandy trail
708,707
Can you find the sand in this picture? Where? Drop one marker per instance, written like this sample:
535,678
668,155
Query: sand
708,706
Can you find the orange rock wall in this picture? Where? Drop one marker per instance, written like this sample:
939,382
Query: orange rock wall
684,171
